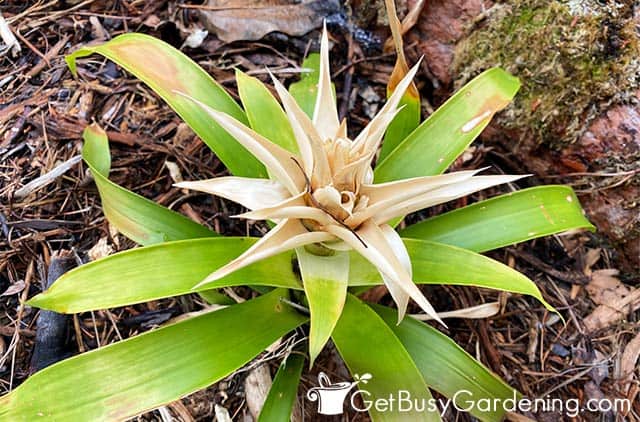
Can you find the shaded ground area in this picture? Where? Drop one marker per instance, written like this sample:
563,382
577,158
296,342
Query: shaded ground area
43,110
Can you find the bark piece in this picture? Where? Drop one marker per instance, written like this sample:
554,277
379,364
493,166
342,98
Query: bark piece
51,333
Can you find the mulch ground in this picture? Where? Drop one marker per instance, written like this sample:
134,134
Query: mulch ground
43,111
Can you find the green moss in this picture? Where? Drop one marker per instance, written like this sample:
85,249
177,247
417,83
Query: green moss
575,58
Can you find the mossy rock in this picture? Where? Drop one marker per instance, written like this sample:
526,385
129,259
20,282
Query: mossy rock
575,58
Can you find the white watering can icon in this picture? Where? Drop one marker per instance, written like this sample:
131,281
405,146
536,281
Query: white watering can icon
330,396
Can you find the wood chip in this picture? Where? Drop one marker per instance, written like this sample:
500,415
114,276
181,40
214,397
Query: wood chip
256,388
100,249
222,414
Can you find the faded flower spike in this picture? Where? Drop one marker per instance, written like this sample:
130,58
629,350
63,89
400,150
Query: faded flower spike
326,196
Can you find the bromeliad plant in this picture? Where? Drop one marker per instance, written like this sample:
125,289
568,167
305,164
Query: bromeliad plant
333,214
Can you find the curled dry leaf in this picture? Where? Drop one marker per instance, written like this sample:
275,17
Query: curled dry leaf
234,20
16,287
605,288
615,299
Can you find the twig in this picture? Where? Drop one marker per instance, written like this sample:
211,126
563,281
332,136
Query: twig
23,299
47,178
53,52
573,277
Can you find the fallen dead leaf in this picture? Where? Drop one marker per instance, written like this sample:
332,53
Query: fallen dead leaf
615,299
630,356
591,258
234,20
16,287
605,288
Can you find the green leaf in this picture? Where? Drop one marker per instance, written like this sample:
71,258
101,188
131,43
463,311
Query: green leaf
264,112
437,263
158,271
124,379
168,71
440,139
449,369
325,280
214,297
369,346
284,390
505,220
305,90
138,218
402,125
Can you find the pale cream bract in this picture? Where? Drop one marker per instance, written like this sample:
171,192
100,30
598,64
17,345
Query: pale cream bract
325,195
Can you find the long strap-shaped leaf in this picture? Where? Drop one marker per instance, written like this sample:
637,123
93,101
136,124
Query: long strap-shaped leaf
158,271
265,115
168,71
437,263
325,280
448,368
505,220
138,218
126,378
368,345
440,139
283,393
174,268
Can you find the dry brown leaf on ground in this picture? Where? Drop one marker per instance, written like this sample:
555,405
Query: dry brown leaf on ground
605,288
16,287
234,20
614,299
630,356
